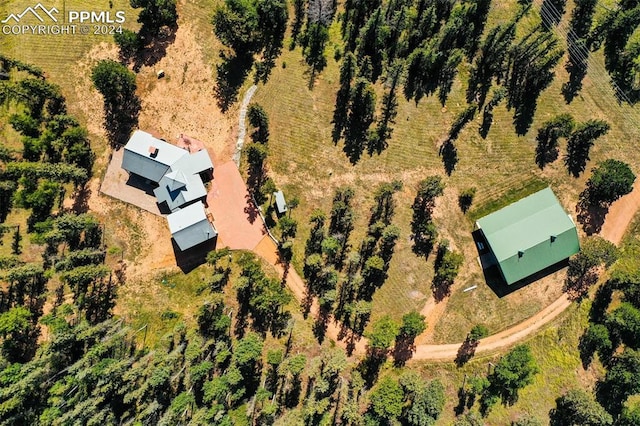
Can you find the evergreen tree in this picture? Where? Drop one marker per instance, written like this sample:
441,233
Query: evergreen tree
360,117
547,138
154,15
580,142
343,97
121,104
372,42
424,232
314,41
576,66
490,63
260,121
379,138
532,61
552,11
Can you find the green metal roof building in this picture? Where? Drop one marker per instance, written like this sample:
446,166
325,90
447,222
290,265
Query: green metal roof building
530,235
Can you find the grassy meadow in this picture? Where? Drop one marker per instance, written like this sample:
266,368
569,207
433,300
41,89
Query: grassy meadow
304,161
555,350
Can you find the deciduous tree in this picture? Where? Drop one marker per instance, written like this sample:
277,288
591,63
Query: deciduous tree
513,372
610,180
577,407
121,104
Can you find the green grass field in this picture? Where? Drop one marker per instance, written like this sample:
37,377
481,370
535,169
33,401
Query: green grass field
305,162
555,350
169,297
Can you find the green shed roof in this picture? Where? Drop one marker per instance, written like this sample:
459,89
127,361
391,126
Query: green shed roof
530,235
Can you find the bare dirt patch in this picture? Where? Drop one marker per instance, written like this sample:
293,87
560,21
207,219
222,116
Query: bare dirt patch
620,215
180,103
183,101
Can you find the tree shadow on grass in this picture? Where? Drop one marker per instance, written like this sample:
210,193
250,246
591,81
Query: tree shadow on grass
153,47
487,121
188,260
81,199
250,209
370,366
591,217
121,119
577,289
466,351
403,351
576,68
306,304
449,154
321,324
440,290
601,302
231,74
523,118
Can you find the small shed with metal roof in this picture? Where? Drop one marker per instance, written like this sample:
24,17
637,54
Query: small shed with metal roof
190,226
530,235
281,203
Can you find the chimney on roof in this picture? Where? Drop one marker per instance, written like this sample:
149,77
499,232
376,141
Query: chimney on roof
153,151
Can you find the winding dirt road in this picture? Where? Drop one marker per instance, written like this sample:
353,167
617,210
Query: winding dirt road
620,215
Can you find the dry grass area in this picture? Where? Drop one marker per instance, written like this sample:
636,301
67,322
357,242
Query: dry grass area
305,162
181,102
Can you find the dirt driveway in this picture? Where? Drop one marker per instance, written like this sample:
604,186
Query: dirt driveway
237,221
620,215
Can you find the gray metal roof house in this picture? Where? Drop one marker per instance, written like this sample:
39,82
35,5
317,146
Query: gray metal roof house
177,172
190,226
150,157
194,163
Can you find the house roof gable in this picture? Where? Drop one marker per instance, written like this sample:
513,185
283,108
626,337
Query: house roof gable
142,143
189,226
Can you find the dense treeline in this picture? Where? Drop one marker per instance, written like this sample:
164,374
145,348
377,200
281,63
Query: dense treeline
418,46
344,278
614,31
612,335
95,370
55,155
252,32
55,148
